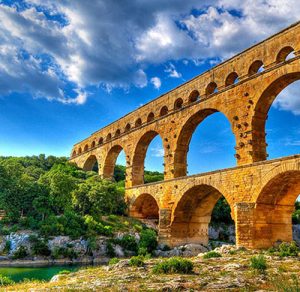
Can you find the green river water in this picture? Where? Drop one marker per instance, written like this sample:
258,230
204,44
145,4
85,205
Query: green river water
37,273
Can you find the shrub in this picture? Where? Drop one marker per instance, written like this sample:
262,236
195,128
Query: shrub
39,247
64,272
212,254
174,265
148,240
5,281
258,263
113,261
7,247
110,251
20,253
288,249
64,252
137,261
128,242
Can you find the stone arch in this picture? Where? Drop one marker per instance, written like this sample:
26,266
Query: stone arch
79,150
178,103
86,148
184,138
231,79
93,144
100,141
164,111
145,206
150,117
194,96
139,156
74,153
261,111
272,218
192,213
118,133
211,88
283,53
138,122
90,163
255,67
110,161
108,137
127,128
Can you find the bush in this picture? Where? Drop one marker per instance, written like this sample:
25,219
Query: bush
137,261
258,263
20,253
174,265
110,251
39,247
288,249
212,254
5,281
64,252
128,242
148,240
7,247
113,261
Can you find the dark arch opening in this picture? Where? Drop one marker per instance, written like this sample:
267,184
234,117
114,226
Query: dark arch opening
211,88
100,142
108,137
127,128
194,96
274,209
93,144
138,164
111,161
280,109
212,146
256,67
80,150
178,103
145,207
192,215
118,133
231,79
150,117
86,147
91,164
164,111
138,122
283,54
74,153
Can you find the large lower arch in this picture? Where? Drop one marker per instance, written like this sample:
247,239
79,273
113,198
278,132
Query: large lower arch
90,163
184,139
110,161
139,155
145,207
272,218
261,113
192,214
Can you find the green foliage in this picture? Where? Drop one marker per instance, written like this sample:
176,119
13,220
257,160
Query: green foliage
113,261
212,254
64,252
258,263
5,281
64,272
148,240
152,176
288,283
221,212
39,246
20,253
96,228
110,251
174,265
137,261
128,242
288,249
7,247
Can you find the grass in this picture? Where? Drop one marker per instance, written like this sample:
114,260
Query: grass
174,265
258,263
212,254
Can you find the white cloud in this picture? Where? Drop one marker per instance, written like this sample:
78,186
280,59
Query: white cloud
157,152
156,82
172,72
108,44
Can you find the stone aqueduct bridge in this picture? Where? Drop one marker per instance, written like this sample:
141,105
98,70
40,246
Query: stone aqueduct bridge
261,193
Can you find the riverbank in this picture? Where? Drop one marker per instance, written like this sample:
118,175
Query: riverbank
232,271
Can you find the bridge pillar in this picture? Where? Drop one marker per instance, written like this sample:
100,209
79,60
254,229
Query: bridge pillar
244,224
164,227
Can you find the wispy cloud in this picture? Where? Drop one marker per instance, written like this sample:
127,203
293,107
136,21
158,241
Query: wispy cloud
157,152
156,82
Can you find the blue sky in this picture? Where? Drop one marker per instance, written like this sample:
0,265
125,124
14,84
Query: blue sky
68,68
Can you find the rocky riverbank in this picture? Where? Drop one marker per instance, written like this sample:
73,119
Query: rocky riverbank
231,271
